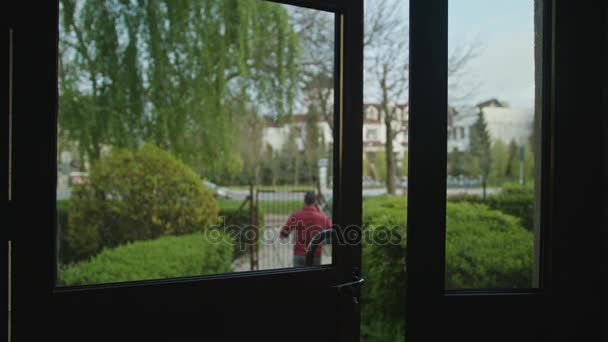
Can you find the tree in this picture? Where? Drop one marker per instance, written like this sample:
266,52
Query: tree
386,68
512,168
462,164
252,151
313,143
456,163
174,73
480,148
529,165
387,71
500,157
316,33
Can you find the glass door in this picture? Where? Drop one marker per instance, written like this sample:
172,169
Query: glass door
175,164
498,238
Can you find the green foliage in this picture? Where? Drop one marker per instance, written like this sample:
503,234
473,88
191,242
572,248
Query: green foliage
499,163
480,146
383,303
177,74
464,197
515,200
365,167
512,169
379,163
313,145
137,195
485,249
463,164
65,251
166,257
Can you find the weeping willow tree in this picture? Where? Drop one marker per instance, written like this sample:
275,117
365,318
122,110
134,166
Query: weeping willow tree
177,74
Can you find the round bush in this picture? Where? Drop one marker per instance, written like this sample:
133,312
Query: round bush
137,195
484,249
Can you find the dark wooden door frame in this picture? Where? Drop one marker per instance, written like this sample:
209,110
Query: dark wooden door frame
157,310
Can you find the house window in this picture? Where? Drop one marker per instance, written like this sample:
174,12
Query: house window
372,134
372,113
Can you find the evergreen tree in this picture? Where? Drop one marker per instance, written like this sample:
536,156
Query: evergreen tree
455,161
512,168
480,148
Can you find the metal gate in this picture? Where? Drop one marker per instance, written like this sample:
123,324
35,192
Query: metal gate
276,206
269,210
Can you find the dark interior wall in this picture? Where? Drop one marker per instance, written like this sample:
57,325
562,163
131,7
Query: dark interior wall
578,161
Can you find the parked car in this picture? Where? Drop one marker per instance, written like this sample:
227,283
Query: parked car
217,191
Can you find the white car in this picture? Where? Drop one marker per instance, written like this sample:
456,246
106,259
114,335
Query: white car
217,191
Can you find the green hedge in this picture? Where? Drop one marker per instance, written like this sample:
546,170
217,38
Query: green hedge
235,220
515,200
485,249
134,195
166,257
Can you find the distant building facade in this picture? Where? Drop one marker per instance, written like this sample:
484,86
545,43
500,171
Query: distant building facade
374,130
504,123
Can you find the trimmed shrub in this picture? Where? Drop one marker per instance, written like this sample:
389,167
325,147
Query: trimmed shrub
514,199
166,257
485,249
464,197
235,221
137,195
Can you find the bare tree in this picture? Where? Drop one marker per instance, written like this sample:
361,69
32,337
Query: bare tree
387,71
386,44
316,32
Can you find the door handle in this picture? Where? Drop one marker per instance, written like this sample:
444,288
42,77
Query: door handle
355,283
352,288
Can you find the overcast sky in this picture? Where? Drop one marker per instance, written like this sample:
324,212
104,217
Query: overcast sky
505,31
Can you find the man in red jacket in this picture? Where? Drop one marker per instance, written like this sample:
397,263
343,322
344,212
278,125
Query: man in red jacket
306,223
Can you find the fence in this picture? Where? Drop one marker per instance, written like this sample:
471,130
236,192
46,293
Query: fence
266,250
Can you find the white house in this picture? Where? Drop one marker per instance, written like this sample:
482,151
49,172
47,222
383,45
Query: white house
504,123
374,131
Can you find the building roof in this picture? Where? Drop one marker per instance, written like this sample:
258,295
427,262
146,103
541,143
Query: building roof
490,103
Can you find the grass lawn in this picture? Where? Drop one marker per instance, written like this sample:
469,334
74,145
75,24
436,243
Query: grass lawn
292,187
268,207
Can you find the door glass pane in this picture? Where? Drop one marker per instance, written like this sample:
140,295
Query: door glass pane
194,137
385,167
493,169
